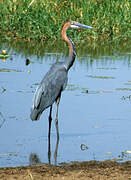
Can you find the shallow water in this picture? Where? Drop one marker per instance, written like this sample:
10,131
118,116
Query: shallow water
94,112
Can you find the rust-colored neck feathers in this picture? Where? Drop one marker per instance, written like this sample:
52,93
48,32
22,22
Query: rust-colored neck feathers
72,53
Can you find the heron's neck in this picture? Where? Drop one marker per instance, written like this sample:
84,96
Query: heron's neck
72,53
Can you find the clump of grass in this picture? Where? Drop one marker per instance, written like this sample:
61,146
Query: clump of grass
41,20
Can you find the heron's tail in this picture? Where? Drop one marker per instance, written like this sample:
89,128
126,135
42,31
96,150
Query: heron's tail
35,114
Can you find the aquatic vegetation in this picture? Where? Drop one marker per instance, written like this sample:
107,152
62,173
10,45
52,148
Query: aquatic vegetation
101,77
9,70
41,20
97,92
73,87
123,89
4,55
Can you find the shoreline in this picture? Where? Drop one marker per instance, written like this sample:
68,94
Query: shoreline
108,169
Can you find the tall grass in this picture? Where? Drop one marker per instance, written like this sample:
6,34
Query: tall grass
42,19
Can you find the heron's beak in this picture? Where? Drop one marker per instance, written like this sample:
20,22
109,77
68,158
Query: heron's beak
77,25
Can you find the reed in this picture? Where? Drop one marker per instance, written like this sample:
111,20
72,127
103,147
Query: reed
42,19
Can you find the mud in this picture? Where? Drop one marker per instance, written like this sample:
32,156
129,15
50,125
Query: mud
92,170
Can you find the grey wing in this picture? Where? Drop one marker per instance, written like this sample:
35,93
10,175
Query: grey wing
52,86
49,89
35,110
37,97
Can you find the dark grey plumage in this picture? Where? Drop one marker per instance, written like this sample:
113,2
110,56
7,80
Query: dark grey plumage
56,81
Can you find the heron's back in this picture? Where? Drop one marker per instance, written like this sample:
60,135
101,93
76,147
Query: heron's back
49,89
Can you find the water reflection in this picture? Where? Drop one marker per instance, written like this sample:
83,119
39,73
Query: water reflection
34,159
49,134
100,50
55,153
94,110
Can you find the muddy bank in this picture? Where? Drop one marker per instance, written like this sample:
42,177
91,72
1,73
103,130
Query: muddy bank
76,170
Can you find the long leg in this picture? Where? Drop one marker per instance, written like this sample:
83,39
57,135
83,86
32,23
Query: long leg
56,117
49,149
50,120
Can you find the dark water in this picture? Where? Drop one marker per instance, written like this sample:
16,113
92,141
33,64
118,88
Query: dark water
94,112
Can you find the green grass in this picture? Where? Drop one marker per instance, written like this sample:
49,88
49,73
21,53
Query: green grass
42,19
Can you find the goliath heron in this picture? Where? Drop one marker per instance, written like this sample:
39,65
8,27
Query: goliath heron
55,80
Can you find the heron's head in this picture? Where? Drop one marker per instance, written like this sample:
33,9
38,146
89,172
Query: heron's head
76,25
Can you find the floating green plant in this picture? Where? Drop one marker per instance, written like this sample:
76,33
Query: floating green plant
4,56
123,89
101,77
9,70
97,92
72,87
